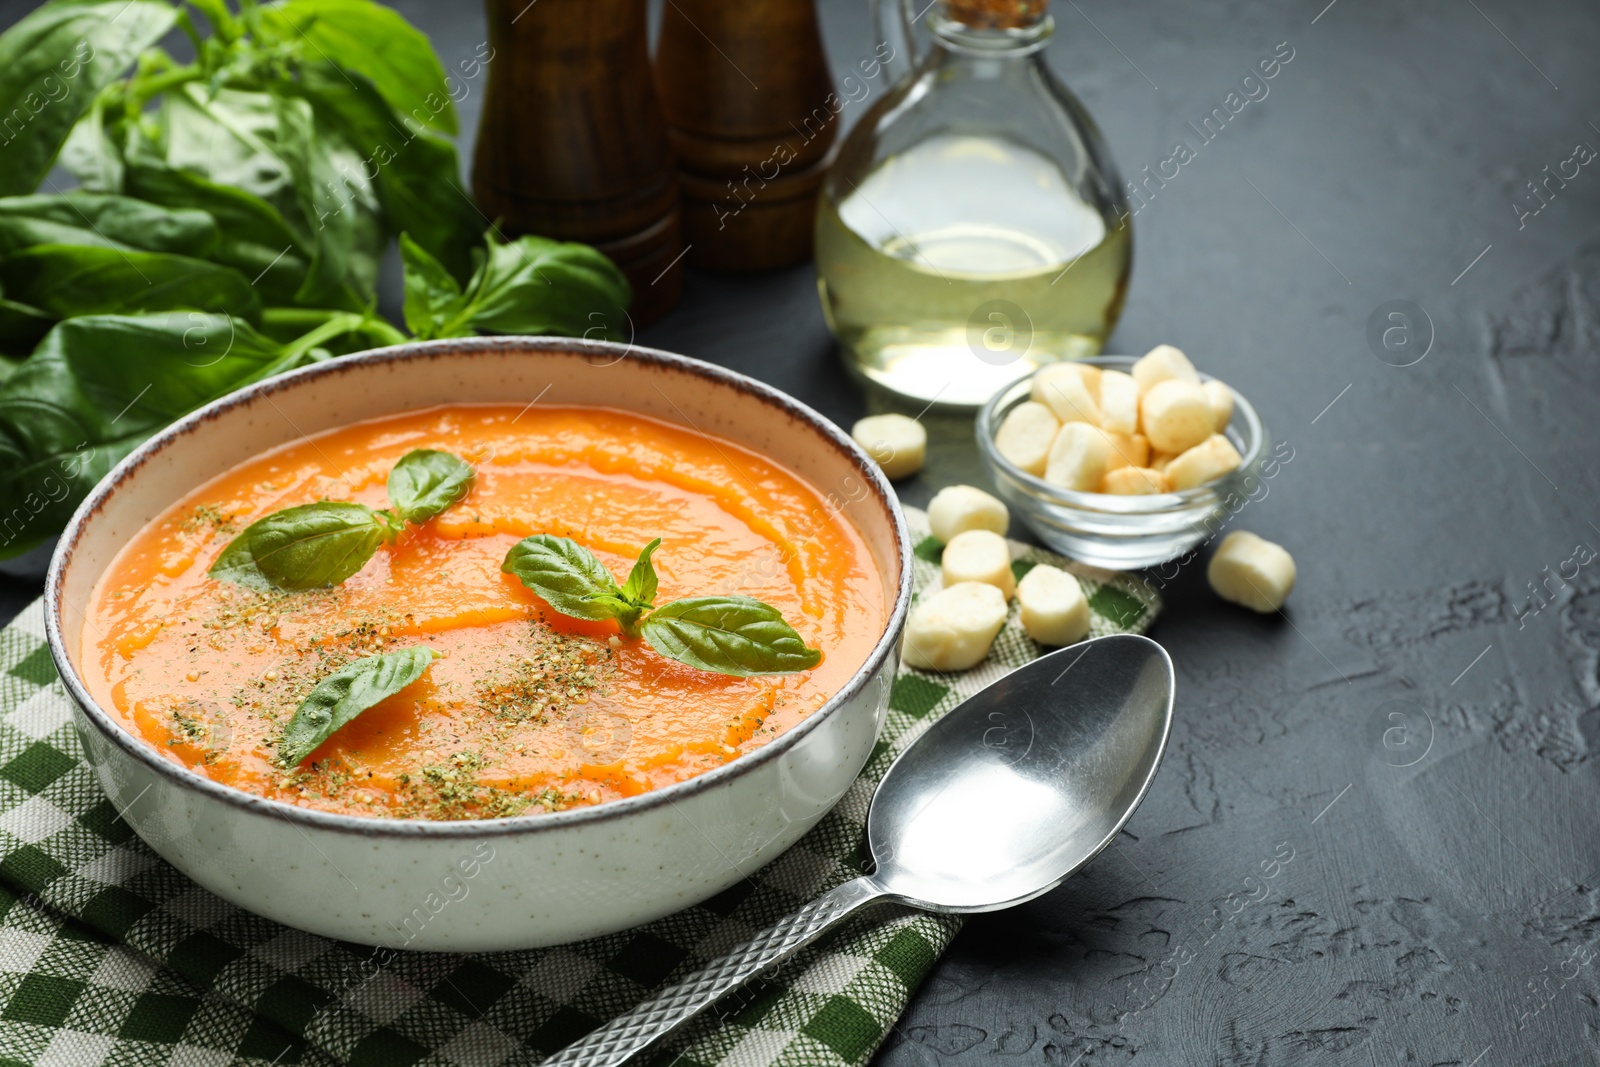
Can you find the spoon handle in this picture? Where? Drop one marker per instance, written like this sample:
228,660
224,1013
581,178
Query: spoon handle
653,1019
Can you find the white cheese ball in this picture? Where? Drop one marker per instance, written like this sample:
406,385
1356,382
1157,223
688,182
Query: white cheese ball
1025,435
1052,606
1063,388
978,556
899,444
1134,481
1079,458
1205,462
1252,572
1176,416
1220,397
1162,363
956,509
1119,402
953,629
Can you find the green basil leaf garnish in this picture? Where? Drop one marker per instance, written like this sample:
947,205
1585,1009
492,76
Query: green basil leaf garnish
640,588
322,544
735,635
566,575
426,481
237,565
346,693
314,545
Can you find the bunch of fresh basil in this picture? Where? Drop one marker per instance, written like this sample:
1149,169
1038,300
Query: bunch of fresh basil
232,214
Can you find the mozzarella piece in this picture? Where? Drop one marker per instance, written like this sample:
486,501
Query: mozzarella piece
1161,363
1220,397
953,629
1176,416
956,509
1252,572
1025,435
1134,481
1079,457
1205,462
1119,402
1160,460
1054,610
978,556
1087,373
898,444
1064,390
1126,451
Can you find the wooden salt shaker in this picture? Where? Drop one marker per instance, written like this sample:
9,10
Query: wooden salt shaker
752,114
572,144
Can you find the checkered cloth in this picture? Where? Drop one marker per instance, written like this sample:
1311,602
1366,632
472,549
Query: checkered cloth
107,955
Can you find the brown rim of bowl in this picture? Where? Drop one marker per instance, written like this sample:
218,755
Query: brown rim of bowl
141,750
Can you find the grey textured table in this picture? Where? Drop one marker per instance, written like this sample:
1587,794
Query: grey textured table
1371,842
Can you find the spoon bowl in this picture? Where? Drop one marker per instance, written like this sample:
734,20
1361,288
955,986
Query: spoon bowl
1023,784
995,804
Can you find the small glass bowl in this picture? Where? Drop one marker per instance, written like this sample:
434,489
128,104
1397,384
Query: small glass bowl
1123,532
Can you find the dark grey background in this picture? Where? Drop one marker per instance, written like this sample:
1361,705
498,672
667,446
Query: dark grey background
1441,913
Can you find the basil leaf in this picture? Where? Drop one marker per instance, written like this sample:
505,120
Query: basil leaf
143,371
415,174
316,545
432,295
336,200
71,280
269,145
346,693
256,239
237,565
426,481
374,42
103,221
92,154
566,575
537,286
640,588
234,137
735,635
53,63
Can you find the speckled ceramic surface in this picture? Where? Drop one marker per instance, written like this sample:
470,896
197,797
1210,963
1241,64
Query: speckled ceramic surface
556,877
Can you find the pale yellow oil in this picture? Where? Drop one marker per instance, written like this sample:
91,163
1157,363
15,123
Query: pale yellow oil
965,263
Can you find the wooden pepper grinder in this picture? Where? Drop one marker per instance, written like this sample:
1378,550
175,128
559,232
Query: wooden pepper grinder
572,144
753,117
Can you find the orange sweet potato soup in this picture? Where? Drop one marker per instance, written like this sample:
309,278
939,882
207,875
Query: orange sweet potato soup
525,710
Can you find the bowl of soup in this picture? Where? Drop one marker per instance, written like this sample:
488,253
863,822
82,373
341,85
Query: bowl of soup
526,767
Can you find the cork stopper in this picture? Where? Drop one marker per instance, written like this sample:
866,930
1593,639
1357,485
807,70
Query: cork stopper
995,14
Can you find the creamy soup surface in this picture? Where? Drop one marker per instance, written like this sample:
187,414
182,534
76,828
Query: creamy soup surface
526,711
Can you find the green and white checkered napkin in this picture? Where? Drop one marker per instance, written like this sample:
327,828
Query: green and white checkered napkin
108,955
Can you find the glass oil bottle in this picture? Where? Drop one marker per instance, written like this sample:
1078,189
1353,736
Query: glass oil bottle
974,227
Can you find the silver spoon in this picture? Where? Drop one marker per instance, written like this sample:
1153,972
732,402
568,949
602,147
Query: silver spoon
997,803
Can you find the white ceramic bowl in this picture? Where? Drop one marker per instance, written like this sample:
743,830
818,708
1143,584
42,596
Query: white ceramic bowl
487,884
